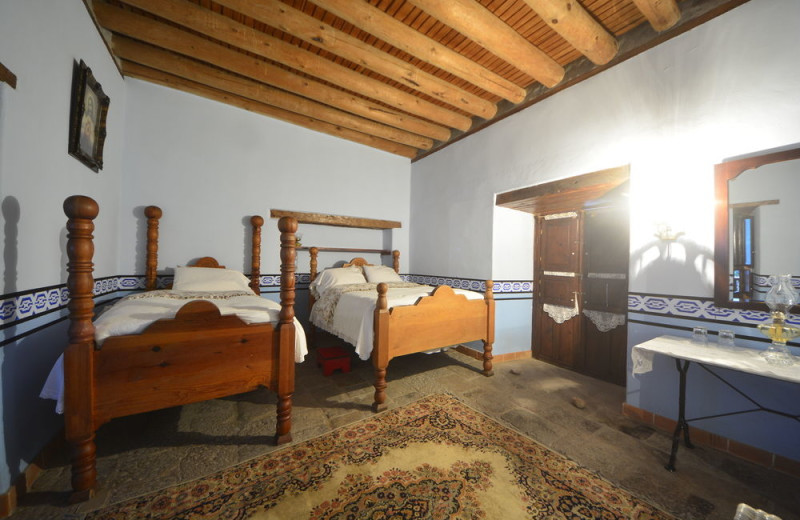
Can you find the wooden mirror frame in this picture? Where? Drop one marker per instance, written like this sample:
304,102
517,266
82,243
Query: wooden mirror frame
723,173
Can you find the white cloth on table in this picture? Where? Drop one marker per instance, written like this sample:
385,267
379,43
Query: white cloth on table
735,358
134,313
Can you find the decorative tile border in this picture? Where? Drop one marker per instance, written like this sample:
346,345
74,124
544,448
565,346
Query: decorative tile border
21,306
698,308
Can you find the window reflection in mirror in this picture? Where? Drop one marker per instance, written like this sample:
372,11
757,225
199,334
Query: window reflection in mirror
757,234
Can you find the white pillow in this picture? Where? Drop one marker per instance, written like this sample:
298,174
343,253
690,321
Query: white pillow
337,276
381,273
209,279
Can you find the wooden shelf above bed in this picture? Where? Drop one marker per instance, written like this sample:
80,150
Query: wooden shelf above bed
347,250
335,220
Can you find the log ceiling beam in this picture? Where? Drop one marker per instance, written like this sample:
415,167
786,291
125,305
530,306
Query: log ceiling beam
474,21
226,30
307,28
662,14
631,44
177,65
162,35
578,27
135,70
403,37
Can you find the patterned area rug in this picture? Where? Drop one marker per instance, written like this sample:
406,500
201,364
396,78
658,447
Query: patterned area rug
434,459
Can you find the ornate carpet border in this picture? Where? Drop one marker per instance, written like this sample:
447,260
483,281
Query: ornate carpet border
547,483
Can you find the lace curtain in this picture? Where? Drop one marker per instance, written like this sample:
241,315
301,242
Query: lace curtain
605,321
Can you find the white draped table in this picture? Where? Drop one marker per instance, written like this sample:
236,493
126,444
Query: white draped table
685,351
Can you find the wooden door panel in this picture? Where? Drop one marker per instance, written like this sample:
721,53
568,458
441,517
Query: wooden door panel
558,253
559,290
558,343
605,242
605,353
560,243
605,289
607,295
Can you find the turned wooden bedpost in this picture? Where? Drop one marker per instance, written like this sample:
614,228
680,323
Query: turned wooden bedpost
487,345
255,264
314,251
153,213
380,357
396,261
78,356
286,331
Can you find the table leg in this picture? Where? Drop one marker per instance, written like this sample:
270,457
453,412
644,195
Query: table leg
682,424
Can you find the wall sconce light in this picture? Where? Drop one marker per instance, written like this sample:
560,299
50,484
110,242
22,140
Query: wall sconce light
664,232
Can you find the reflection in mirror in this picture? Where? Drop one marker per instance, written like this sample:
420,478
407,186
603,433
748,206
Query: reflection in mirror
761,211
756,235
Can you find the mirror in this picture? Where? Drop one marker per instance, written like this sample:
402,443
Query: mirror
758,206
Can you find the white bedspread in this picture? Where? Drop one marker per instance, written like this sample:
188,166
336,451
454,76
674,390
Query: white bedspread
134,313
353,316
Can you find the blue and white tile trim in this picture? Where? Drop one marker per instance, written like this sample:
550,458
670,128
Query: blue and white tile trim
498,287
20,306
697,308
25,305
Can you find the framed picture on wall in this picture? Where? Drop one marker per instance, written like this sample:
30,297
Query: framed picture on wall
88,110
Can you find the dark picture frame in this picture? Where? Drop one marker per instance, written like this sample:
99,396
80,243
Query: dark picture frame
88,111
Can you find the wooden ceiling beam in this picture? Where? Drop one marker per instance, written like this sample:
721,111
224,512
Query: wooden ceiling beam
227,30
162,35
292,21
187,68
578,27
137,71
662,14
399,35
475,22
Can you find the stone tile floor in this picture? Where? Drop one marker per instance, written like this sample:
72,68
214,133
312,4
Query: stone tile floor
150,451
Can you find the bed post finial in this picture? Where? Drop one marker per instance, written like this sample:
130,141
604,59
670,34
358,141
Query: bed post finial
78,357
255,263
396,261
153,213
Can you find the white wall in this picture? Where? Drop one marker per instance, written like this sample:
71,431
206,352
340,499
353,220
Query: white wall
724,89
720,90
39,40
35,169
210,167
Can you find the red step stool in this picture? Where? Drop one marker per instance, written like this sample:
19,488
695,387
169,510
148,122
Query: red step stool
331,358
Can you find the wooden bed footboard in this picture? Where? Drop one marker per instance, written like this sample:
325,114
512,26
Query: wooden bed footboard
195,356
440,320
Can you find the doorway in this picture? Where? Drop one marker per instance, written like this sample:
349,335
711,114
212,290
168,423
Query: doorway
581,251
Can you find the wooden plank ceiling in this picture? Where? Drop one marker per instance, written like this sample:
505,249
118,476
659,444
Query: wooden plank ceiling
404,76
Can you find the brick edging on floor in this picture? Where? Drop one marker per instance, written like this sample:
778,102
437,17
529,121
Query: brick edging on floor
499,358
717,442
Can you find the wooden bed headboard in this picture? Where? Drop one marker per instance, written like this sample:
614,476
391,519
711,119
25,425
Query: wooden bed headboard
359,261
154,213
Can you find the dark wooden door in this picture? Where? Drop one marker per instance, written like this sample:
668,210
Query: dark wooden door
557,277
605,292
583,255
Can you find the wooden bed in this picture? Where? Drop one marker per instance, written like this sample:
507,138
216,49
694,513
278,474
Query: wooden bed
195,356
440,320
